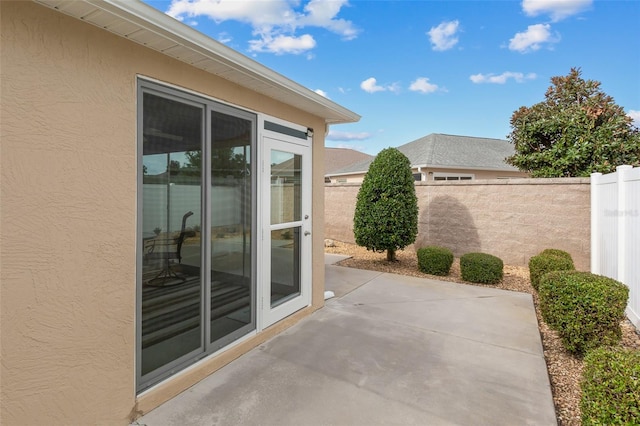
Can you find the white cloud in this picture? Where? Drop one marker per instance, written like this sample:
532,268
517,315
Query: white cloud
533,38
635,116
443,37
347,136
370,85
281,44
556,9
394,87
224,37
502,78
422,85
322,93
274,22
322,13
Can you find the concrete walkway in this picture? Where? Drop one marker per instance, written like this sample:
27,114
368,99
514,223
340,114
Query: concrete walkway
387,350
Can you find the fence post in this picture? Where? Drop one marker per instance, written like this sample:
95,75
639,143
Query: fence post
596,241
623,256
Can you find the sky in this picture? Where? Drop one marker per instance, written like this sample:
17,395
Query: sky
411,68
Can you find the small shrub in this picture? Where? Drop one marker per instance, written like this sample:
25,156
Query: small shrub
435,260
611,387
585,309
557,252
481,268
547,261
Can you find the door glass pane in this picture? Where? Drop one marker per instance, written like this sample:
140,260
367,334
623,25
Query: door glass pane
286,192
285,264
230,224
171,224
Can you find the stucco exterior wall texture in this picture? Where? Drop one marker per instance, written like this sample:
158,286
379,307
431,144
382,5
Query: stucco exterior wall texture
68,217
512,219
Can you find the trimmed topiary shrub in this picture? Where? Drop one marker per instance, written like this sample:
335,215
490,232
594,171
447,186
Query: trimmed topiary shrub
435,260
386,214
611,387
481,268
547,261
585,309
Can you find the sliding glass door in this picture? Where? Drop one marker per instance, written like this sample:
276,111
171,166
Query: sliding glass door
196,262
230,213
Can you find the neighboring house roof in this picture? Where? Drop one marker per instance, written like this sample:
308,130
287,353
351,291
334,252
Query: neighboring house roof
338,158
450,152
145,25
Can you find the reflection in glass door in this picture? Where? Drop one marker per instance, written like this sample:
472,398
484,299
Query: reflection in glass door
171,205
286,179
288,244
231,224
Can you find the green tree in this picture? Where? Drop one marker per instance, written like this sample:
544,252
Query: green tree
386,215
229,161
576,131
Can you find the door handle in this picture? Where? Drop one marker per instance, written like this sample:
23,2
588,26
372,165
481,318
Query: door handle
307,233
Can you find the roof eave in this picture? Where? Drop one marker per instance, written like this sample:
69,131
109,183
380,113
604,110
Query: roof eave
229,64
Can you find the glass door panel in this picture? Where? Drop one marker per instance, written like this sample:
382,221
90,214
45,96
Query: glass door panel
231,221
171,205
285,265
286,193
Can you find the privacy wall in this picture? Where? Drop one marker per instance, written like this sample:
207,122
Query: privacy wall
513,219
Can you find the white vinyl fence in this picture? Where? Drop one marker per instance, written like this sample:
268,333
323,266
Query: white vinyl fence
615,231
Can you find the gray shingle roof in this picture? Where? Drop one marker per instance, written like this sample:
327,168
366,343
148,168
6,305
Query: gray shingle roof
338,158
450,151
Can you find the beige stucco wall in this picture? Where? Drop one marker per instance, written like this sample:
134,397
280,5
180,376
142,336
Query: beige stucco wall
68,217
512,219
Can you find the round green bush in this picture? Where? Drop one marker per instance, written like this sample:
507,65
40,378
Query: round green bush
585,309
547,261
557,252
611,387
481,268
435,260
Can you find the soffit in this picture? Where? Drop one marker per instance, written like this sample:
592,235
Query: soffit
149,27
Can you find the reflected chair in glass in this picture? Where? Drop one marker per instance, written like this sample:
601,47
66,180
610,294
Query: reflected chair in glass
168,250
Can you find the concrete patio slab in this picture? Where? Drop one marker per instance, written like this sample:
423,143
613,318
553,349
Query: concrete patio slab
393,350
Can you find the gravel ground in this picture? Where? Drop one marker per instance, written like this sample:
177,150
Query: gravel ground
565,370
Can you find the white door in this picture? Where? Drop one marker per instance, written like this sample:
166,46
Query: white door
286,198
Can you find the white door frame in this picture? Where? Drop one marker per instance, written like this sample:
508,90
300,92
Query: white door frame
268,141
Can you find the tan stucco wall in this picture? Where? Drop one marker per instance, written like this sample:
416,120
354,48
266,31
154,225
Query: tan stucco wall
513,219
68,217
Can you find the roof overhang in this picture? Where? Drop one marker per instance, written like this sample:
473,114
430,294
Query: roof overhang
141,23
